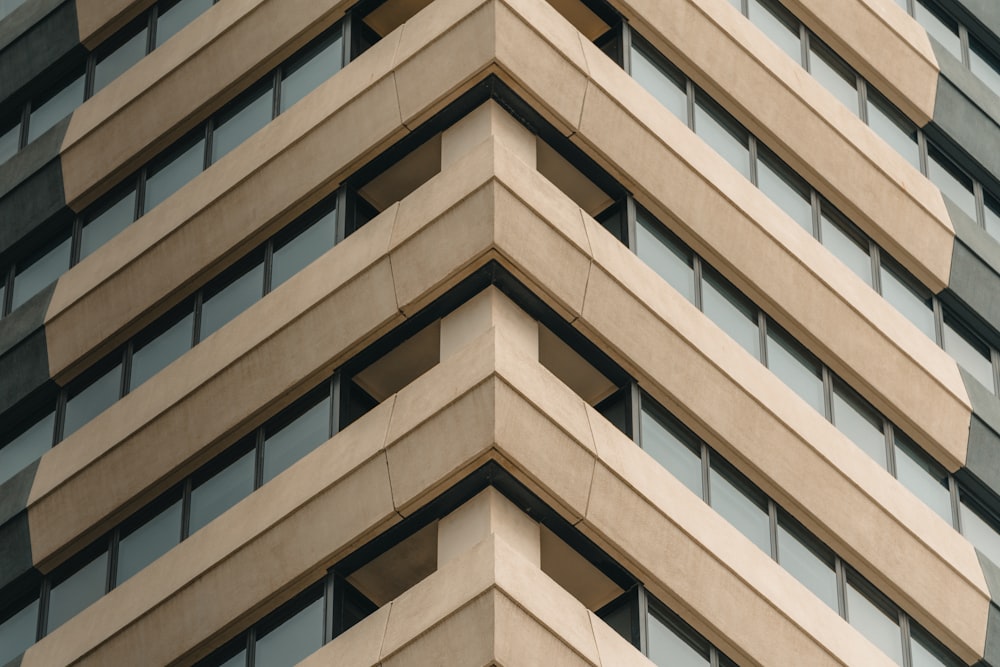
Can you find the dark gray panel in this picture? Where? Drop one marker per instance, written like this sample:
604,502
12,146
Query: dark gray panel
991,653
33,158
982,463
24,357
974,279
16,662
967,111
15,538
21,19
986,12
51,41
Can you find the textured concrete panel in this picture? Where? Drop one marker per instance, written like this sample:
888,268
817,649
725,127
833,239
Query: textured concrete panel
21,19
974,271
986,12
24,357
47,42
15,537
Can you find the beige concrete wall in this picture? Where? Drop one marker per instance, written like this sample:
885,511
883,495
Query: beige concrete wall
99,19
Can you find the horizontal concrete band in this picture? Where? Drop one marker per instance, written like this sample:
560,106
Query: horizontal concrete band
487,402
491,206
28,52
405,79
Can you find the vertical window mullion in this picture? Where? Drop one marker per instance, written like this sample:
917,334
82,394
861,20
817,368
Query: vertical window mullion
772,521
696,270
643,609
963,38
752,150
862,85
904,636
827,379
922,151
956,510
114,539
890,449
938,322
90,76
22,139
8,300
706,464
330,611
630,223
196,319
127,352
43,608
980,203
258,466
804,47
626,46
151,29
60,416
841,588
186,508
875,253
251,647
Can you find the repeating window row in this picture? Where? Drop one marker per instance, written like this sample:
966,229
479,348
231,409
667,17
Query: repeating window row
779,535
978,200
173,168
805,374
813,212
162,524
251,278
23,124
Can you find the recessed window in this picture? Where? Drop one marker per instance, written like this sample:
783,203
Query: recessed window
740,502
795,366
249,113
807,560
867,612
154,536
922,475
104,222
42,270
777,23
308,70
17,630
833,74
940,26
172,171
216,489
855,418
46,112
87,400
27,445
733,312
173,16
721,132
78,591
848,244
661,79
951,180
126,50
785,188
672,445
662,251
155,349
301,429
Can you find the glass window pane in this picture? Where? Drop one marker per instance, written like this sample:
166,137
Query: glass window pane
849,246
238,660
795,366
984,64
923,476
874,622
298,637
78,591
149,541
909,298
722,132
153,355
927,652
618,615
833,74
42,271
992,211
106,222
9,137
174,17
112,64
940,27
971,354
778,24
660,78
785,188
671,445
225,488
232,299
951,180
321,61
294,254
26,446
17,631
740,503
662,251
806,560
671,644
732,311
91,400
290,442
170,173
49,112
978,531
855,418
894,128
242,119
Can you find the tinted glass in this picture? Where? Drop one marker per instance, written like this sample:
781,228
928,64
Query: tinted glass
25,447
49,112
952,182
809,562
231,300
298,637
111,64
984,64
927,652
992,211
106,222
215,495
238,660
149,541
670,644
732,311
619,616
670,444
174,17
859,421
290,443
92,400
909,298
939,26
833,74
666,255
778,24
172,172
7,6
795,366
152,356
9,137
921,475
661,79
894,128
237,123
874,623
785,189
980,532
321,61
740,503
78,591
17,632
292,255
847,244
970,353
43,270
723,133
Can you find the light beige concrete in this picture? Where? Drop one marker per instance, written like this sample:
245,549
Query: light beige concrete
887,47
99,19
488,513
490,308
489,120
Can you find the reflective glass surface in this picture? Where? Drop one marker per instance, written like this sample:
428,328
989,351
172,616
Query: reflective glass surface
173,172
742,505
874,623
99,229
33,278
311,69
152,356
992,214
926,652
673,646
17,632
149,541
294,254
979,532
78,591
952,182
849,247
92,400
250,113
674,449
229,301
26,447
940,27
909,298
971,354
174,17
807,561
722,133
833,74
55,108
785,189
732,311
923,476
111,65
893,127
859,421
778,24
795,367
298,637
664,82
225,488
984,64
666,255
290,443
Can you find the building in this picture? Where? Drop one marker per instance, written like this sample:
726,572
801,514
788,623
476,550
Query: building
330,329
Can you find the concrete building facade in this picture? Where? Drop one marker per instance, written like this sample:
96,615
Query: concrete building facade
499,332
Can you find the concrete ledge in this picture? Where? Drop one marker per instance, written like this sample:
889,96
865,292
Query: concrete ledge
24,359
15,532
20,21
984,11
47,42
99,19
975,269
